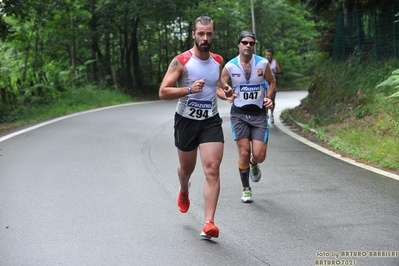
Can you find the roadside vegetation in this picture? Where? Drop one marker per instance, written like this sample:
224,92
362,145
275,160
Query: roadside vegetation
353,107
67,102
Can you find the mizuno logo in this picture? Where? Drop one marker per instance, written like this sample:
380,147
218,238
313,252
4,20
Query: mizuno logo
249,88
200,105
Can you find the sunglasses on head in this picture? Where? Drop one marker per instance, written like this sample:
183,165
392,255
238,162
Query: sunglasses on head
246,43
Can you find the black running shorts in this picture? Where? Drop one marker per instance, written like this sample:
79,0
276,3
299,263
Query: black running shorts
189,133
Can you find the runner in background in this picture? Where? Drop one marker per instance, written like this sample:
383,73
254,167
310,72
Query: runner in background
276,68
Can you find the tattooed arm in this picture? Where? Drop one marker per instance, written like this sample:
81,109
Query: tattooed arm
168,90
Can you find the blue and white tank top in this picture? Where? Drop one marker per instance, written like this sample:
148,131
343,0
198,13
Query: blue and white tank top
252,91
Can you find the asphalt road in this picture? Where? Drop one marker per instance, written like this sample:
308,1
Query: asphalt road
100,188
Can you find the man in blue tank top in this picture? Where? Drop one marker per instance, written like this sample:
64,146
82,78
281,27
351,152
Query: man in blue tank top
253,83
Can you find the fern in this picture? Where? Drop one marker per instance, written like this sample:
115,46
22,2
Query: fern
395,95
393,82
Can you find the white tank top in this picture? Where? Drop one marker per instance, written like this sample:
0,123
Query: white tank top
202,105
273,65
250,91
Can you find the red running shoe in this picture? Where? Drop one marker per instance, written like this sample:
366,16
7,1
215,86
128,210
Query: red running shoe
210,230
183,201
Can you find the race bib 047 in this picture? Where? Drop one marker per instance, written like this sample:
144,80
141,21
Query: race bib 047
250,92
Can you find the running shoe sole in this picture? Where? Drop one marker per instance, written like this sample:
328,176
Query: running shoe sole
211,233
210,230
247,201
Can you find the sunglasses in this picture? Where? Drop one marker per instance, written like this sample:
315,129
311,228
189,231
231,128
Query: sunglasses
246,43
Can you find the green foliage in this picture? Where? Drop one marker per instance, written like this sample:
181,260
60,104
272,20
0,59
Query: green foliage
391,82
107,33
55,46
362,112
306,128
340,89
288,29
320,134
395,95
314,122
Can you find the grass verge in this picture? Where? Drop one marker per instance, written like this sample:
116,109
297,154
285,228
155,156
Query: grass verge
352,114
68,102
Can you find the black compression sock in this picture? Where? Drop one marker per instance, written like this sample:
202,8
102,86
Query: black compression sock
244,177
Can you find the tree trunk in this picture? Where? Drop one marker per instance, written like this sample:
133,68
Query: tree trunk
161,57
136,57
3,96
93,28
349,22
122,64
72,48
129,78
107,60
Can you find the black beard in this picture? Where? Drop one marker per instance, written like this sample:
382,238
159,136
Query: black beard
203,49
